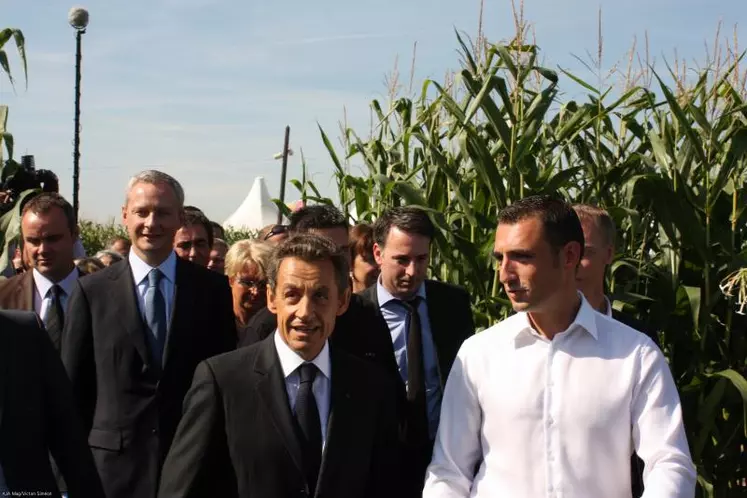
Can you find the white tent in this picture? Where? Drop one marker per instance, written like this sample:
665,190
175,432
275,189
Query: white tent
256,211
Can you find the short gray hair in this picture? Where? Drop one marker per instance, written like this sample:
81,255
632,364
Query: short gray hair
153,177
310,248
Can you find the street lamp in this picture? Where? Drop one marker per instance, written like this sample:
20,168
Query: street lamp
78,19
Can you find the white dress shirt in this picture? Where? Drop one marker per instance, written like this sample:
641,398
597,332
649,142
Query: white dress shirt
43,296
290,361
167,285
560,418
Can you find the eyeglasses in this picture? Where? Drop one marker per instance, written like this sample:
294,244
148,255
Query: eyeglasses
259,285
276,230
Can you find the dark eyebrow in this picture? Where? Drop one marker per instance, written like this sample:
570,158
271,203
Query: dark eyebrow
517,253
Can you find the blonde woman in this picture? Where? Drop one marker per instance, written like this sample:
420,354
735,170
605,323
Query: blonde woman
246,263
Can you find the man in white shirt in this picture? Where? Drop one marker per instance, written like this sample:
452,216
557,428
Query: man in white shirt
292,415
553,400
49,232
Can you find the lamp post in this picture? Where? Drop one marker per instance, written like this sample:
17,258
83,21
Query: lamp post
284,155
78,19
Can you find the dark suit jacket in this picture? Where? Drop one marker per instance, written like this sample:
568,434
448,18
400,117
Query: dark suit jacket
131,406
450,317
17,293
237,437
359,331
38,416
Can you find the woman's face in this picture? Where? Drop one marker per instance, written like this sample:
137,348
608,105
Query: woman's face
365,272
249,290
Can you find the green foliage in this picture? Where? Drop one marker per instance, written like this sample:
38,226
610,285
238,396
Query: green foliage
233,235
95,236
668,165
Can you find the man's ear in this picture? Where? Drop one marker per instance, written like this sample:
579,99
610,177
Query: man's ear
377,250
609,255
271,301
344,301
572,254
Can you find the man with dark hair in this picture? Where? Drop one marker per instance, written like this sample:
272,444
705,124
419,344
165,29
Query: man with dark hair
38,416
358,330
218,231
194,239
49,231
135,334
427,322
554,399
293,415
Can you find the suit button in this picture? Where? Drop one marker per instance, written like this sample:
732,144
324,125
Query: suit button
154,431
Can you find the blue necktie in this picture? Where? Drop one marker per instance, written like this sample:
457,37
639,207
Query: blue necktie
307,416
155,315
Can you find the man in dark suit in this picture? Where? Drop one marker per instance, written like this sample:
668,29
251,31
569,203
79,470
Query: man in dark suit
292,415
599,251
358,330
427,321
135,333
49,232
38,417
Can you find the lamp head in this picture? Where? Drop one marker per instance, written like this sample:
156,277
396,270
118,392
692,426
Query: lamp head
78,18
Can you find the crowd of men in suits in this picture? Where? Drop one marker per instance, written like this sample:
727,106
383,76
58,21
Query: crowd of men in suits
143,379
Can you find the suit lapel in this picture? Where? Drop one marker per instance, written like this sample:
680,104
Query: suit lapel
372,296
271,387
440,320
124,288
24,299
345,415
185,301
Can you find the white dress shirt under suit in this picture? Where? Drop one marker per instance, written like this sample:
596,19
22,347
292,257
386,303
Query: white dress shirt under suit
167,285
560,418
43,296
289,362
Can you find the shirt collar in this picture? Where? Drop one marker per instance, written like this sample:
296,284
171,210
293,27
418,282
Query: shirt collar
584,320
385,296
290,360
140,268
43,284
608,311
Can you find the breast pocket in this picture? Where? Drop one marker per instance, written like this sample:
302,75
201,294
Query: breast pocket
106,440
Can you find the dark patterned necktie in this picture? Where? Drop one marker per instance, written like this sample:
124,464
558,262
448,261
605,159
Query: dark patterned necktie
55,319
415,371
307,416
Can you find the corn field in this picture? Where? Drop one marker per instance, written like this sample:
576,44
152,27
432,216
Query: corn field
668,161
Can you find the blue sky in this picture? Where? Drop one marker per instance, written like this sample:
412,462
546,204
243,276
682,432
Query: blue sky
203,89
